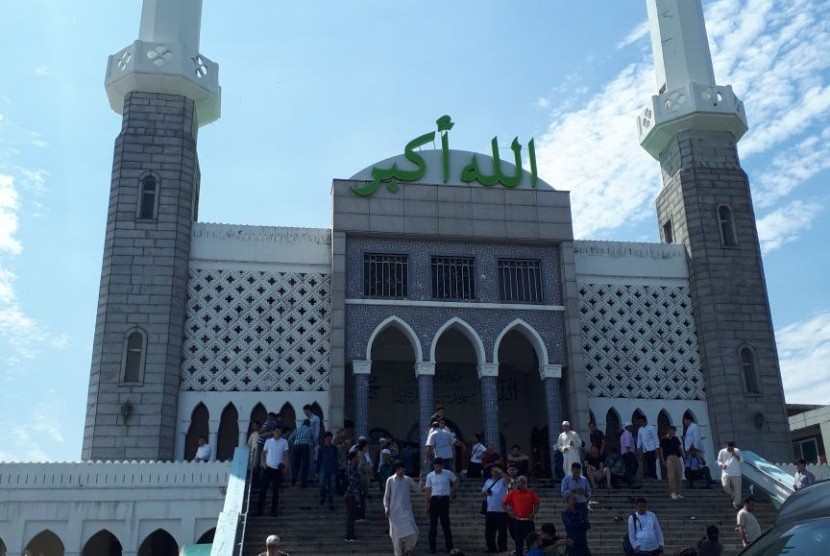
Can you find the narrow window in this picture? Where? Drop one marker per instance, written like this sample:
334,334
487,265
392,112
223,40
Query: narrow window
134,349
385,275
453,278
727,226
147,197
668,236
520,280
748,367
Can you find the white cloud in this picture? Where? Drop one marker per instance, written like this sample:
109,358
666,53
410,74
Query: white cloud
542,103
804,353
774,54
792,167
785,224
43,70
639,32
9,208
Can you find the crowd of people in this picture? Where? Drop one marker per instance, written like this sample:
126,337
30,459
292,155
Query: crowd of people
509,505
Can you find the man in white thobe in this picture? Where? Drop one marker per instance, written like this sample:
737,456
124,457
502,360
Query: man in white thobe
570,445
397,504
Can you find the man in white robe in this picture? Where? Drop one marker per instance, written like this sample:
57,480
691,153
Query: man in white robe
570,445
397,504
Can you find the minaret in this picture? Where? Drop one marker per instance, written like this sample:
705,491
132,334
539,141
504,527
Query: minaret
165,90
692,127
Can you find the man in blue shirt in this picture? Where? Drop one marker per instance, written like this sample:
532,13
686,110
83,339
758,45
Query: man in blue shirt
644,531
577,485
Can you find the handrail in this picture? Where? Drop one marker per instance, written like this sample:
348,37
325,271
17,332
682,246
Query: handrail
227,526
774,481
246,504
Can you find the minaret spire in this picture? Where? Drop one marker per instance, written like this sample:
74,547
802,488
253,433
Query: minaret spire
688,97
166,59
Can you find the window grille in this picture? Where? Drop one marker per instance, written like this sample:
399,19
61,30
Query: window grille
384,275
453,278
727,227
133,357
520,280
749,370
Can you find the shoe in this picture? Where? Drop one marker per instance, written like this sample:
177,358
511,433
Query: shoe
353,539
679,496
673,496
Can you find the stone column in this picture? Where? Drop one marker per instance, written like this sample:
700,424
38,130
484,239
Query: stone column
361,371
550,375
488,375
426,401
213,438
181,439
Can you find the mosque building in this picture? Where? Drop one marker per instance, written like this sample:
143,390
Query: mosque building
447,277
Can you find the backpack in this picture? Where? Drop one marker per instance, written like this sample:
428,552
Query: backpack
627,548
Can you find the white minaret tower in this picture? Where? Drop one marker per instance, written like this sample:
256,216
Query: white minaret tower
166,59
687,97
692,127
165,90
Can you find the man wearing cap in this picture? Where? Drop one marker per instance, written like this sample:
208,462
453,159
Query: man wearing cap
570,445
385,469
272,547
439,490
496,519
397,505
628,449
521,505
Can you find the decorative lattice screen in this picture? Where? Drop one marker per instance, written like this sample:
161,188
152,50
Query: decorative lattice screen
640,342
256,331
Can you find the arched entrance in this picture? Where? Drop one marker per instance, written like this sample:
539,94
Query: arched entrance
613,430
198,427
207,537
45,543
456,385
393,387
102,543
259,414
159,543
288,416
522,404
228,435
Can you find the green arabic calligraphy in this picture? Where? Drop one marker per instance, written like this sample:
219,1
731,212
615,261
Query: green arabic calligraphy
471,172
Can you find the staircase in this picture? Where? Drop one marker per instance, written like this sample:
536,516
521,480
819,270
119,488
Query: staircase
307,528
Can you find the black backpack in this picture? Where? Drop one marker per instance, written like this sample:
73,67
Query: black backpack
627,548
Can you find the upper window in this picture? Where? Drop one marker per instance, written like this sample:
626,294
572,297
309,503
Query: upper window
453,278
135,346
520,280
668,235
749,370
384,275
727,227
148,198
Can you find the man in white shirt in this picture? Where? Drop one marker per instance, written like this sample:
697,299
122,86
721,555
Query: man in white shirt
729,460
203,450
803,476
273,464
439,445
439,489
644,531
691,435
748,527
647,444
397,504
496,519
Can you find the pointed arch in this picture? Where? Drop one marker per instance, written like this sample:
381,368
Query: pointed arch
258,413
228,434
404,328
207,536
663,423
468,331
158,543
613,426
45,542
288,415
102,543
530,334
199,426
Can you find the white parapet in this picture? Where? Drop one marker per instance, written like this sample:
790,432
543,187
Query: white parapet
131,500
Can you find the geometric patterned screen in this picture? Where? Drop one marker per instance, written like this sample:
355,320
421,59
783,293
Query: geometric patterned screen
256,331
640,342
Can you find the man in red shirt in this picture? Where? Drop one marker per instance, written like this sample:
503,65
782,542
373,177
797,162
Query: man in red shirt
521,504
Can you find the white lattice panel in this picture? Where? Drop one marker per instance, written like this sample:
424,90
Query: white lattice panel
640,342
256,331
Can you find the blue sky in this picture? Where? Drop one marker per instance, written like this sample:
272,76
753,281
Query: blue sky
314,91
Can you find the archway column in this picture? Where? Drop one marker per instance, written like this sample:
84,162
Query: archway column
181,439
488,375
426,400
361,371
551,375
213,438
